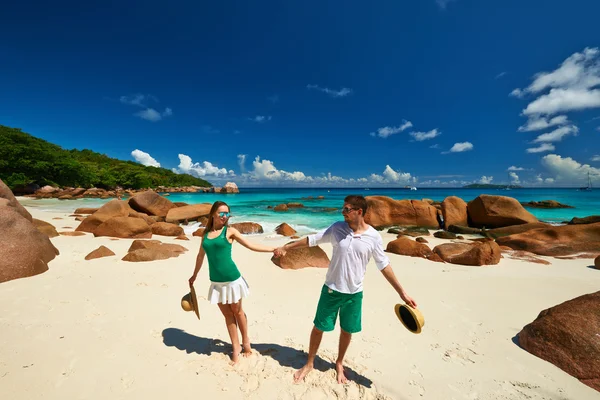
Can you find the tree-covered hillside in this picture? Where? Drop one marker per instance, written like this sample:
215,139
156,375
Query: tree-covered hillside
25,159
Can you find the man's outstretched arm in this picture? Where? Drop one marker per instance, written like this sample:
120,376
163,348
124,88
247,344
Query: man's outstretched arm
388,272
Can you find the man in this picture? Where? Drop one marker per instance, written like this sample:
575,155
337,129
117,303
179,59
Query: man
354,243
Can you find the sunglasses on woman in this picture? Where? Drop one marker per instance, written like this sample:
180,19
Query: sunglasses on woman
224,214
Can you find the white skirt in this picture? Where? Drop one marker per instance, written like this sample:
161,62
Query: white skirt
228,292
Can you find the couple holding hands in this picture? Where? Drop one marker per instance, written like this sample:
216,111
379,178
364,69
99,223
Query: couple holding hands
354,243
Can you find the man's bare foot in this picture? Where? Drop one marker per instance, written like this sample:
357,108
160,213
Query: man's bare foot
235,355
301,373
247,350
341,378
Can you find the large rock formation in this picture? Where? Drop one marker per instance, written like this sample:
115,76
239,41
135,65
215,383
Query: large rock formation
124,227
188,212
285,230
302,258
24,251
6,193
100,252
556,240
151,203
247,228
230,187
45,227
454,211
166,229
566,335
114,208
408,247
514,229
385,212
497,211
475,253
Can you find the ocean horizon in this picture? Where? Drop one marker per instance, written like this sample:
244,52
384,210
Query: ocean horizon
251,204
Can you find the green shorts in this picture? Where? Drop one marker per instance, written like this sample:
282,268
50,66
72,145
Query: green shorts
348,305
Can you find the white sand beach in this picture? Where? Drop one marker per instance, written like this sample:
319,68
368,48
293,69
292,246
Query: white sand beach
109,329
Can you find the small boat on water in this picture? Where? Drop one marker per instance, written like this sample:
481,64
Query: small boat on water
588,187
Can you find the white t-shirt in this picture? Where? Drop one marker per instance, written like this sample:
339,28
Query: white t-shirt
351,254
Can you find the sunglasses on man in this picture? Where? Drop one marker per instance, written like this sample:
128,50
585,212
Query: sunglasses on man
346,210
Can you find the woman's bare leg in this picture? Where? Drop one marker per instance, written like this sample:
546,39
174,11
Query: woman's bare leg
231,323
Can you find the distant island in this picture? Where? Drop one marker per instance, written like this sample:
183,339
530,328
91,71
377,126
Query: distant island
28,161
491,186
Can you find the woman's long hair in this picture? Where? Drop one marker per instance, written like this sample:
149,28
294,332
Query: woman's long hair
213,209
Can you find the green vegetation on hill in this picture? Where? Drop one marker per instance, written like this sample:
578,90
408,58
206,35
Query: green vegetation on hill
490,186
25,159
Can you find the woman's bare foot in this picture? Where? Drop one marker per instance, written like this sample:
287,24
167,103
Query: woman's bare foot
341,378
301,373
235,355
247,350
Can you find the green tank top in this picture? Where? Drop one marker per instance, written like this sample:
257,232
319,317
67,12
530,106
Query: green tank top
221,267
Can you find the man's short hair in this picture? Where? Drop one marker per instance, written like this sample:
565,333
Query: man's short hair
357,201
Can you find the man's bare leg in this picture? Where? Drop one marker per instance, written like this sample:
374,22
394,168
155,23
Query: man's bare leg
345,338
232,329
315,340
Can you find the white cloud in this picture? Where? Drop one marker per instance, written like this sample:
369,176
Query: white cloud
260,118
514,177
387,131
150,114
540,149
144,158
500,75
397,177
434,146
567,170
513,168
571,86
343,92
557,134
241,162
536,123
460,147
486,179
187,166
421,136
580,70
562,100
596,158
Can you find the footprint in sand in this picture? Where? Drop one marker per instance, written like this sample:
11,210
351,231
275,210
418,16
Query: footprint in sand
127,381
459,355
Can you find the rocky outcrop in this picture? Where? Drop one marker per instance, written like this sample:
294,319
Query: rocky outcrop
45,227
592,219
285,230
413,231
556,240
444,235
497,211
408,247
566,335
454,211
465,230
151,203
302,258
189,212
151,250
511,230
199,232
100,252
384,212
545,204
522,255
114,208
11,201
295,205
166,229
230,187
86,210
281,207
124,227
475,253
597,262
24,251
247,228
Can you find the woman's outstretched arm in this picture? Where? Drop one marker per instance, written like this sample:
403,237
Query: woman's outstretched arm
236,235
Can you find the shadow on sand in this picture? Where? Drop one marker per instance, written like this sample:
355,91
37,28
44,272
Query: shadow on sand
285,356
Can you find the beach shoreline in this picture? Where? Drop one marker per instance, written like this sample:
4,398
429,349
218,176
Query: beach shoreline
107,328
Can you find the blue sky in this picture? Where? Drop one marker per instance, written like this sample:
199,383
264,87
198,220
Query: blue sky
337,93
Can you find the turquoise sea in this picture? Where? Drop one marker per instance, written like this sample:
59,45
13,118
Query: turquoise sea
251,203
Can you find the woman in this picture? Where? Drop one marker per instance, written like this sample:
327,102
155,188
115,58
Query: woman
228,287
